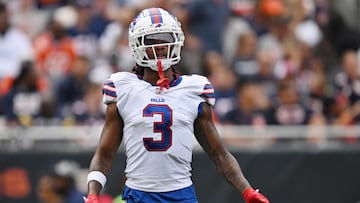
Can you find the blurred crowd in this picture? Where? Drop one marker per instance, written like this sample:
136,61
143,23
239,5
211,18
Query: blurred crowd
272,62
65,184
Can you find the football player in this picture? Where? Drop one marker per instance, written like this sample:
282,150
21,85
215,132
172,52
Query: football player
156,114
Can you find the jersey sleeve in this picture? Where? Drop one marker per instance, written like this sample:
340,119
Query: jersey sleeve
109,91
208,93
114,86
205,88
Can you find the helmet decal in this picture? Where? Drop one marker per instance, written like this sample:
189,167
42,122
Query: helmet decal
155,15
133,22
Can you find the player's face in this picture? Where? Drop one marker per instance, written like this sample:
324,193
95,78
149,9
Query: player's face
161,47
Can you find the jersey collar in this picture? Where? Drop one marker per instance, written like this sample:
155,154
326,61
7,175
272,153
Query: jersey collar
175,81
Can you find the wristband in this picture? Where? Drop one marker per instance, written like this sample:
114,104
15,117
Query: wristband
98,176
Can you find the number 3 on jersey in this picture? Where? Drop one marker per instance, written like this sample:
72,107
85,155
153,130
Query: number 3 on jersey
163,127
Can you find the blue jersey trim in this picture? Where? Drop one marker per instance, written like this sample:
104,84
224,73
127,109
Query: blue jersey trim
109,83
208,95
174,82
200,107
110,93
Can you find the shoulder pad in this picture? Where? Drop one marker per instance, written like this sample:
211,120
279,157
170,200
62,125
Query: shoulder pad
113,84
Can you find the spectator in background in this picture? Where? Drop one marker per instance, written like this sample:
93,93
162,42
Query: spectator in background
244,61
203,22
48,116
251,106
339,34
279,34
211,60
64,186
223,80
15,46
46,190
22,103
325,50
54,51
88,28
319,91
288,109
113,43
94,109
265,76
72,88
347,85
236,24
338,37
65,175
265,12
293,66
55,188
25,15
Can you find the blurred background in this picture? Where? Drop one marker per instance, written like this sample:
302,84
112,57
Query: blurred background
286,75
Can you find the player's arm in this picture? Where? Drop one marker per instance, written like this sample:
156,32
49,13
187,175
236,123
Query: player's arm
111,137
224,161
209,139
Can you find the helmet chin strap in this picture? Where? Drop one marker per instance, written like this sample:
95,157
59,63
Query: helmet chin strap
163,81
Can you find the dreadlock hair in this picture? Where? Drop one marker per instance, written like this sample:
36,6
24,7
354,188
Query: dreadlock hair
173,69
138,70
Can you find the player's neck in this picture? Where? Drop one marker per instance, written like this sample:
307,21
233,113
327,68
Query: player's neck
152,76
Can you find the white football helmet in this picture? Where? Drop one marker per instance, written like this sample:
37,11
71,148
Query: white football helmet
155,24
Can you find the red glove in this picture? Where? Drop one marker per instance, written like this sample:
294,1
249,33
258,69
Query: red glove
91,198
253,196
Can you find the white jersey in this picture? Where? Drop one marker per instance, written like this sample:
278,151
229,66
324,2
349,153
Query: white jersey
158,128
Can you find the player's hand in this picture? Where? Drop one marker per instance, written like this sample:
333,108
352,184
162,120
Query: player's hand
91,198
253,196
